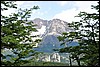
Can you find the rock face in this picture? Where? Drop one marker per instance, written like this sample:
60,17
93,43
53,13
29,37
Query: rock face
58,26
53,57
40,22
48,31
45,58
56,57
53,27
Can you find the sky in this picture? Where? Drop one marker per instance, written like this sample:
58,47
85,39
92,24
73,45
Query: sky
64,10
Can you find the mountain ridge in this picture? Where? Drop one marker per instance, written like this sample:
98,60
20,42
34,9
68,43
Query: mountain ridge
51,29
54,26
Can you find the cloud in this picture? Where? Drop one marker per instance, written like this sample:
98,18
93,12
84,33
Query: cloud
68,14
85,4
62,3
40,13
12,10
8,12
19,2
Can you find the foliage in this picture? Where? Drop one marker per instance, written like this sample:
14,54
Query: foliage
44,64
15,34
87,35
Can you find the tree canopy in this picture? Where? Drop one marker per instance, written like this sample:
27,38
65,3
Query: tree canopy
87,35
15,34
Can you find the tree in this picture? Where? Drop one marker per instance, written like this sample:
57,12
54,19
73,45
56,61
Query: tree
15,34
87,35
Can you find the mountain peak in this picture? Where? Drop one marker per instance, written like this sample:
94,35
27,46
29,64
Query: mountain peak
49,31
55,19
53,27
37,18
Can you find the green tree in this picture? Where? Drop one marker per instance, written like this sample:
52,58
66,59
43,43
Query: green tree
87,35
15,34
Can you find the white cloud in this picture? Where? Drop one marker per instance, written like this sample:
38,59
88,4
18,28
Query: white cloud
62,3
84,4
68,15
40,13
12,10
19,5
8,12
19,2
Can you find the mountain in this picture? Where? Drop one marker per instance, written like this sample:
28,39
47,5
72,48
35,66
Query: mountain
58,26
53,27
48,43
48,30
40,22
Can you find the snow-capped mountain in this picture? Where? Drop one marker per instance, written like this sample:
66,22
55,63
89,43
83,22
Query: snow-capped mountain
48,31
51,27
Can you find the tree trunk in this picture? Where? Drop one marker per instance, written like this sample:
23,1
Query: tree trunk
78,61
70,61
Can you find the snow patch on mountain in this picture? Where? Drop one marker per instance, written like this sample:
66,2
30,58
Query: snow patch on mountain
40,31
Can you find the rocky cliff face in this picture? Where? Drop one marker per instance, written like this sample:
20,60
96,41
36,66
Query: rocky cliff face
40,22
58,26
53,27
53,57
48,31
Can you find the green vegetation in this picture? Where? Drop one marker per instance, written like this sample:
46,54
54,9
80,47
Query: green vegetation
15,31
44,64
15,35
87,35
